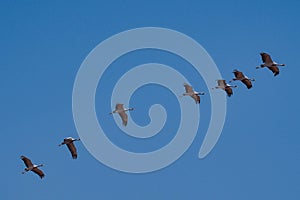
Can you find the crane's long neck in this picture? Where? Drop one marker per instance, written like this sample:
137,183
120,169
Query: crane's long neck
219,87
232,86
261,66
61,144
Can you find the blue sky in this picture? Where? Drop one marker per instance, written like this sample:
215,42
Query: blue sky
43,45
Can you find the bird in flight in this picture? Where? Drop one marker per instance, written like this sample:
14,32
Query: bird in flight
189,91
268,62
122,112
226,87
32,167
239,76
69,141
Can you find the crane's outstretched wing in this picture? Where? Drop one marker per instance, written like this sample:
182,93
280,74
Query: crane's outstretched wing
238,74
275,70
222,83
196,97
72,149
266,58
38,172
119,106
188,88
27,161
228,91
124,117
247,82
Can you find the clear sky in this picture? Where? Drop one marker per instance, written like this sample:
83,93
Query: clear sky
43,45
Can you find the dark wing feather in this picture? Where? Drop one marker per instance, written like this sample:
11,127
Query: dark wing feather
38,172
266,58
238,74
228,91
72,149
119,106
188,88
27,161
196,97
124,117
247,82
222,83
275,70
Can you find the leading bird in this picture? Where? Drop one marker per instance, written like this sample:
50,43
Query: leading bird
32,167
268,62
